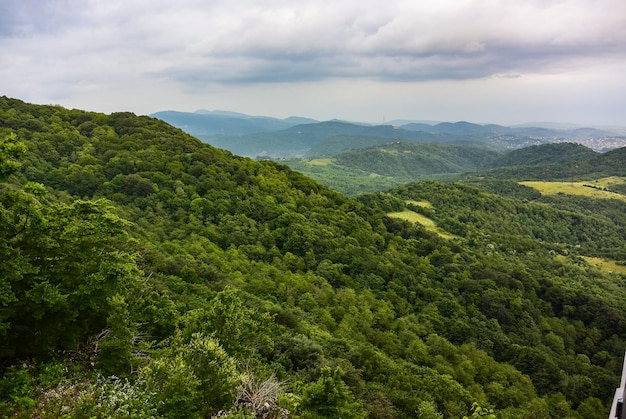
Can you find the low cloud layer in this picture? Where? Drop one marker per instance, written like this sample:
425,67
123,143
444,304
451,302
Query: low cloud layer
59,49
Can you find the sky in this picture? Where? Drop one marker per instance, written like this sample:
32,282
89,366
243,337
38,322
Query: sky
483,61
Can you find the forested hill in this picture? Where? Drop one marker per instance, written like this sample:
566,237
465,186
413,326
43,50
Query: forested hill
412,160
319,138
557,162
146,274
545,154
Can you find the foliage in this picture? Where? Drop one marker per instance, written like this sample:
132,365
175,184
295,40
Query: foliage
10,150
415,160
479,412
360,169
329,397
197,276
544,154
580,165
63,263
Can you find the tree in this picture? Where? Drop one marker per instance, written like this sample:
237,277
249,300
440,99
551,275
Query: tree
330,398
10,150
240,330
481,412
192,379
115,356
63,264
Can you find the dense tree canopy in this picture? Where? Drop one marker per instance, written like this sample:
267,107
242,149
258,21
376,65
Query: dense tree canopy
144,273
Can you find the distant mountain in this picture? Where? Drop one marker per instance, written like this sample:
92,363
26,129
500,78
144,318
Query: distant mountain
341,143
298,120
322,139
280,144
293,137
223,113
398,122
464,128
205,122
545,154
550,125
338,143
324,130
457,128
576,164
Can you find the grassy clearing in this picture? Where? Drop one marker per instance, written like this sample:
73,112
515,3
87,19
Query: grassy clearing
413,217
609,181
320,162
428,224
606,265
586,188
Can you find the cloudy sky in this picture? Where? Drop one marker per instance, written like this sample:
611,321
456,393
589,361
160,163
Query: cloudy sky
501,61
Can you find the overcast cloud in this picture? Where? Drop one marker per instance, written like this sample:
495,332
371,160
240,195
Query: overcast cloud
506,61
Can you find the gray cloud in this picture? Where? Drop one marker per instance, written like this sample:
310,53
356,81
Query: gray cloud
283,41
58,47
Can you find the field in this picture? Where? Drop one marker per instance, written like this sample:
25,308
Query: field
593,189
320,162
606,265
426,222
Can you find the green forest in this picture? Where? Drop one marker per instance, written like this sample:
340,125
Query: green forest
144,273
385,164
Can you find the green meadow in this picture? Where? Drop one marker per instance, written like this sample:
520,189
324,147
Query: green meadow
593,189
424,221
609,266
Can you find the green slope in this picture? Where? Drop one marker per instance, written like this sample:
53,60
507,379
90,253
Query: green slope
415,160
203,281
580,164
545,154
390,164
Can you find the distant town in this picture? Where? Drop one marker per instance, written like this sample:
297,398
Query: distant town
600,144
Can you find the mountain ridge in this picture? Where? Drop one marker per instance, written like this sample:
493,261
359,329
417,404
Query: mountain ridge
254,136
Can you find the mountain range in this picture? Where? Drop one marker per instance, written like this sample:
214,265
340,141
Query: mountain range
257,136
204,122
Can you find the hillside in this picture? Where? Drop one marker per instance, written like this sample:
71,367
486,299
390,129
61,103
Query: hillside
144,273
386,164
338,143
296,137
544,154
559,162
319,139
414,160
466,213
